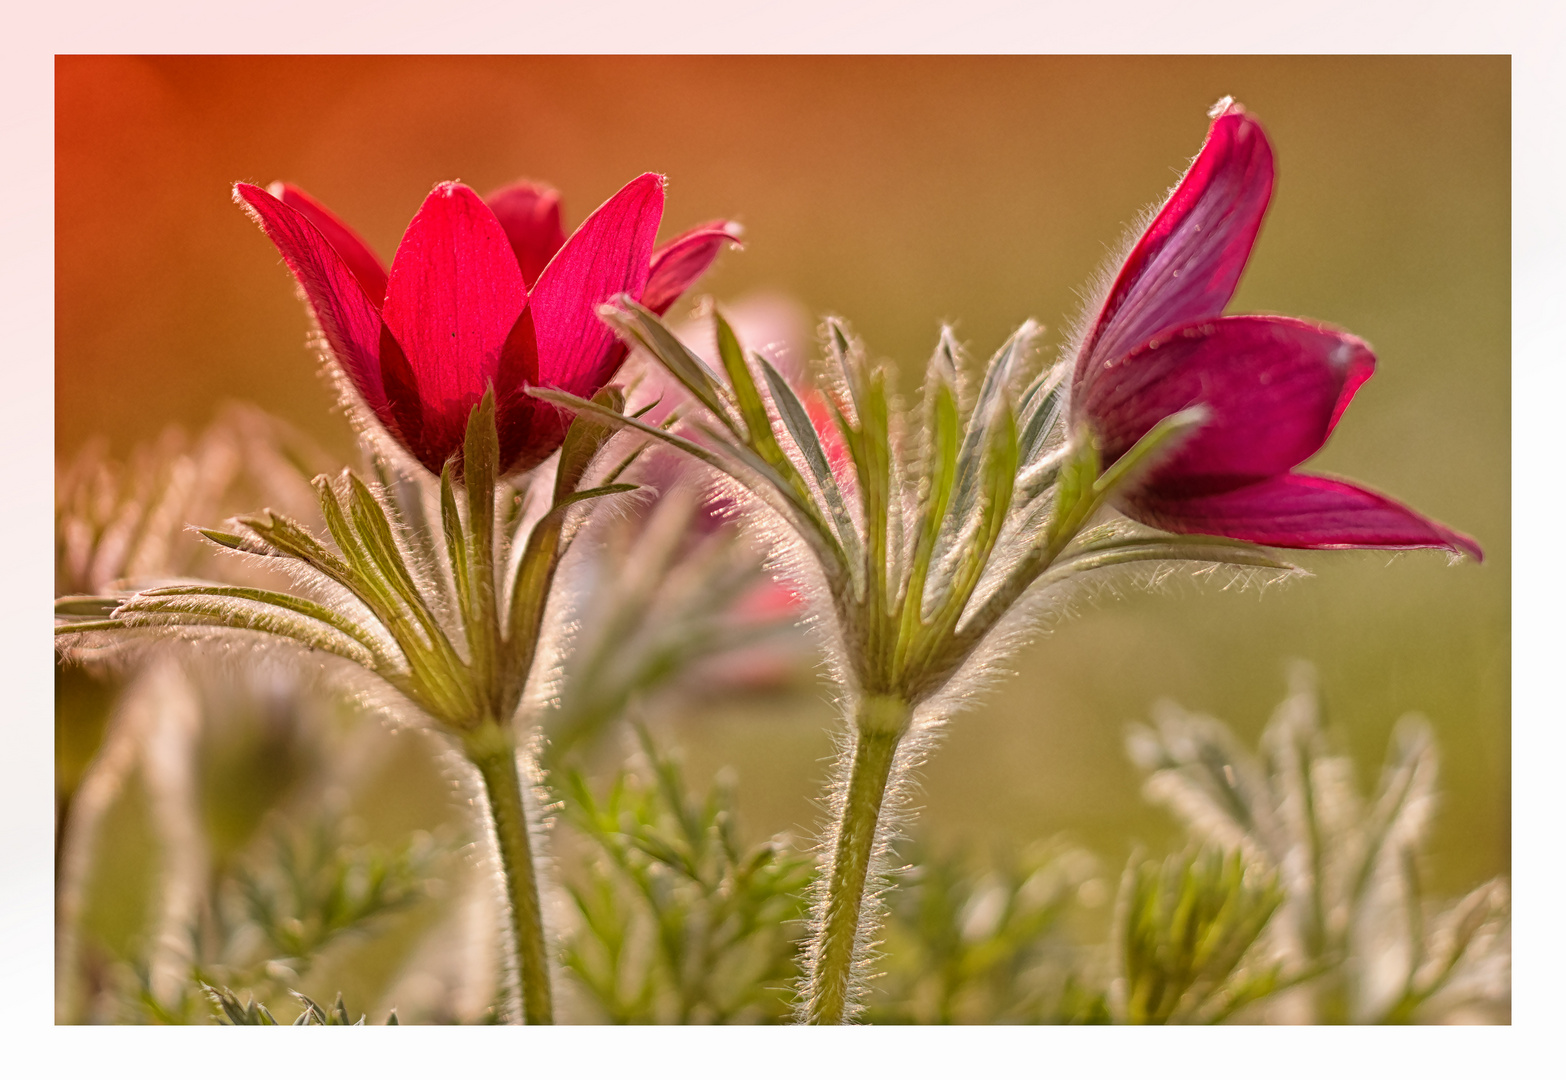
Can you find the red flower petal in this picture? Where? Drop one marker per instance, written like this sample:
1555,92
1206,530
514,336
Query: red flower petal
608,254
454,294
347,318
1276,388
1301,511
530,214
677,264
361,259
1186,265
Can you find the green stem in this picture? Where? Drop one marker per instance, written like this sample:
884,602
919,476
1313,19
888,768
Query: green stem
493,752
880,723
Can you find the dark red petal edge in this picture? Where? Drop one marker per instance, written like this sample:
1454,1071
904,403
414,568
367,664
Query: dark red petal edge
1302,511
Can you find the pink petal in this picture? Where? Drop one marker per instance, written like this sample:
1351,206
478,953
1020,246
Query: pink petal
1275,386
454,294
346,316
530,214
1186,265
608,254
361,259
1302,511
677,264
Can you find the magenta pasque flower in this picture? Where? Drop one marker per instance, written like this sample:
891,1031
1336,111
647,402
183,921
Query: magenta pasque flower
1273,387
481,292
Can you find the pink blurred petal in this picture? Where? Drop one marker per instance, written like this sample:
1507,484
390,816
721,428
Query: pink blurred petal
607,255
360,257
1301,511
454,294
346,316
530,214
1276,388
677,264
1188,261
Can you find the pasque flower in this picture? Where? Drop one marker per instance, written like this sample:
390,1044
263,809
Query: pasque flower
1273,388
481,292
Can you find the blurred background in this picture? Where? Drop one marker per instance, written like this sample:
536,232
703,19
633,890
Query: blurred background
899,193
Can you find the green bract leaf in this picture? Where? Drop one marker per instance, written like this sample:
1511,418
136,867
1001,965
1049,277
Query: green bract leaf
758,424
997,381
481,466
1041,410
644,328
1161,549
198,609
91,606
736,461
456,543
298,605
584,438
796,418
939,481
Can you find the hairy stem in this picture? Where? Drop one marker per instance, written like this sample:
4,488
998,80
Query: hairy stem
493,752
880,723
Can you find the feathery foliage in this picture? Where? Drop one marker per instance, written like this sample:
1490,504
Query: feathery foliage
679,920
1354,925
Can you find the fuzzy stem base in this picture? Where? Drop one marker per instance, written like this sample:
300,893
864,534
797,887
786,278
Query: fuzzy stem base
880,723
494,754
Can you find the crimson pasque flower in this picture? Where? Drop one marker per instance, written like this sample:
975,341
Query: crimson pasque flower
482,292
1273,387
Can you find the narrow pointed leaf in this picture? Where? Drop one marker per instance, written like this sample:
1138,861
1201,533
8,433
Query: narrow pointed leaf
1164,551
206,610
584,438
297,605
234,542
939,481
481,466
997,378
754,412
796,419
647,330
771,490
456,542
89,606
1042,408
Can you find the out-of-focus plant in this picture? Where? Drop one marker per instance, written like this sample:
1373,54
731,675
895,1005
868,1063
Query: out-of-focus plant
438,589
974,943
929,548
274,914
1295,899
673,595
1355,927
232,1013
658,595
1185,929
122,525
679,920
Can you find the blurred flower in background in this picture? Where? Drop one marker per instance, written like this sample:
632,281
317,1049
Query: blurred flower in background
673,594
